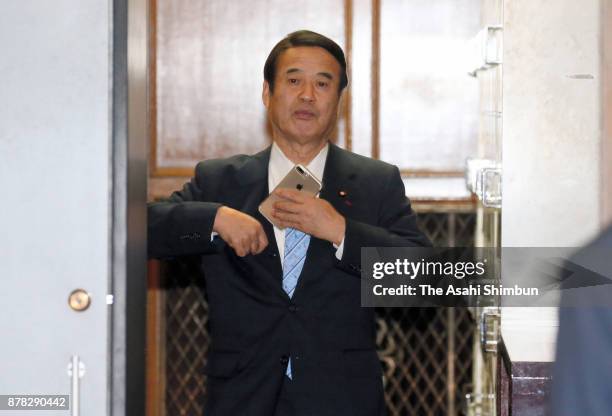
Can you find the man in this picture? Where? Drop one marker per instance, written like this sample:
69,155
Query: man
289,336
582,376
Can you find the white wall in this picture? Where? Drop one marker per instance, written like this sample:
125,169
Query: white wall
551,143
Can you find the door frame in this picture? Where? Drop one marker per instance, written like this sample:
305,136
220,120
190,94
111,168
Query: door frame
128,207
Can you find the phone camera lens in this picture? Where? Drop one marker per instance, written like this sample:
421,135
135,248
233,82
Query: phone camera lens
299,186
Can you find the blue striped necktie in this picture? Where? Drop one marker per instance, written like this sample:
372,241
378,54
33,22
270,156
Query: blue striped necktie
296,245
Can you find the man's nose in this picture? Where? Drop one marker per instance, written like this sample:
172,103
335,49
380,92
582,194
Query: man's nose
307,93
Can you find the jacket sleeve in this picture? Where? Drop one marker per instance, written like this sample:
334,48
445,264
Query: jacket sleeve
182,224
396,227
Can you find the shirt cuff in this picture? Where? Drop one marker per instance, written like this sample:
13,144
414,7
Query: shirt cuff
339,249
213,235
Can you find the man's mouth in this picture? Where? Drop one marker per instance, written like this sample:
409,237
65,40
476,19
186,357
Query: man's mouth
304,114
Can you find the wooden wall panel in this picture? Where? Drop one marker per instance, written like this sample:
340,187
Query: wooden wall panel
409,101
428,104
208,74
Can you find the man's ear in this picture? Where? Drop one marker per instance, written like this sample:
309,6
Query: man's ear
265,94
341,102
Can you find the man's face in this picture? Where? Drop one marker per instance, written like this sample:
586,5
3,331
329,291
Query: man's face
304,105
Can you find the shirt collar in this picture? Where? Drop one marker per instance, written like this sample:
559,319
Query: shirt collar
281,164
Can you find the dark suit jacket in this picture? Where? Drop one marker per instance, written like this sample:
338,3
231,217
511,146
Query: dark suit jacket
254,326
582,377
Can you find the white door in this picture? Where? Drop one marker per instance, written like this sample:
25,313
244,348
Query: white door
60,181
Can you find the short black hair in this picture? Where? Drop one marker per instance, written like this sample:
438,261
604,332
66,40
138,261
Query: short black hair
304,38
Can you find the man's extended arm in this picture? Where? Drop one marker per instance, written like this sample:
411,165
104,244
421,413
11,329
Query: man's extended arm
183,224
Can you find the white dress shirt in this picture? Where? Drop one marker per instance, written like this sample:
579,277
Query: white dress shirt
278,168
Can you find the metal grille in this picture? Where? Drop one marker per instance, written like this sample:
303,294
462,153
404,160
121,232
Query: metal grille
426,356
426,353
187,337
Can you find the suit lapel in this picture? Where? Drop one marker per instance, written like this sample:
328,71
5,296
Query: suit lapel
338,182
253,180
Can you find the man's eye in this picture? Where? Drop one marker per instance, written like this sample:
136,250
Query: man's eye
322,84
293,80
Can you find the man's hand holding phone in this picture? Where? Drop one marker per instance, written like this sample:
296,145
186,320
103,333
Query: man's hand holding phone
309,214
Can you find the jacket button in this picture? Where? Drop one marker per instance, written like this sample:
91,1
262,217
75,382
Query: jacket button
293,308
284,360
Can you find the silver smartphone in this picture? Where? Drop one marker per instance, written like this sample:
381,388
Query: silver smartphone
298,178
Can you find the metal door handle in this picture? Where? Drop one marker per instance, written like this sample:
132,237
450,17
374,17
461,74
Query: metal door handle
484,178
490,181
76,370
486,49
489,329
